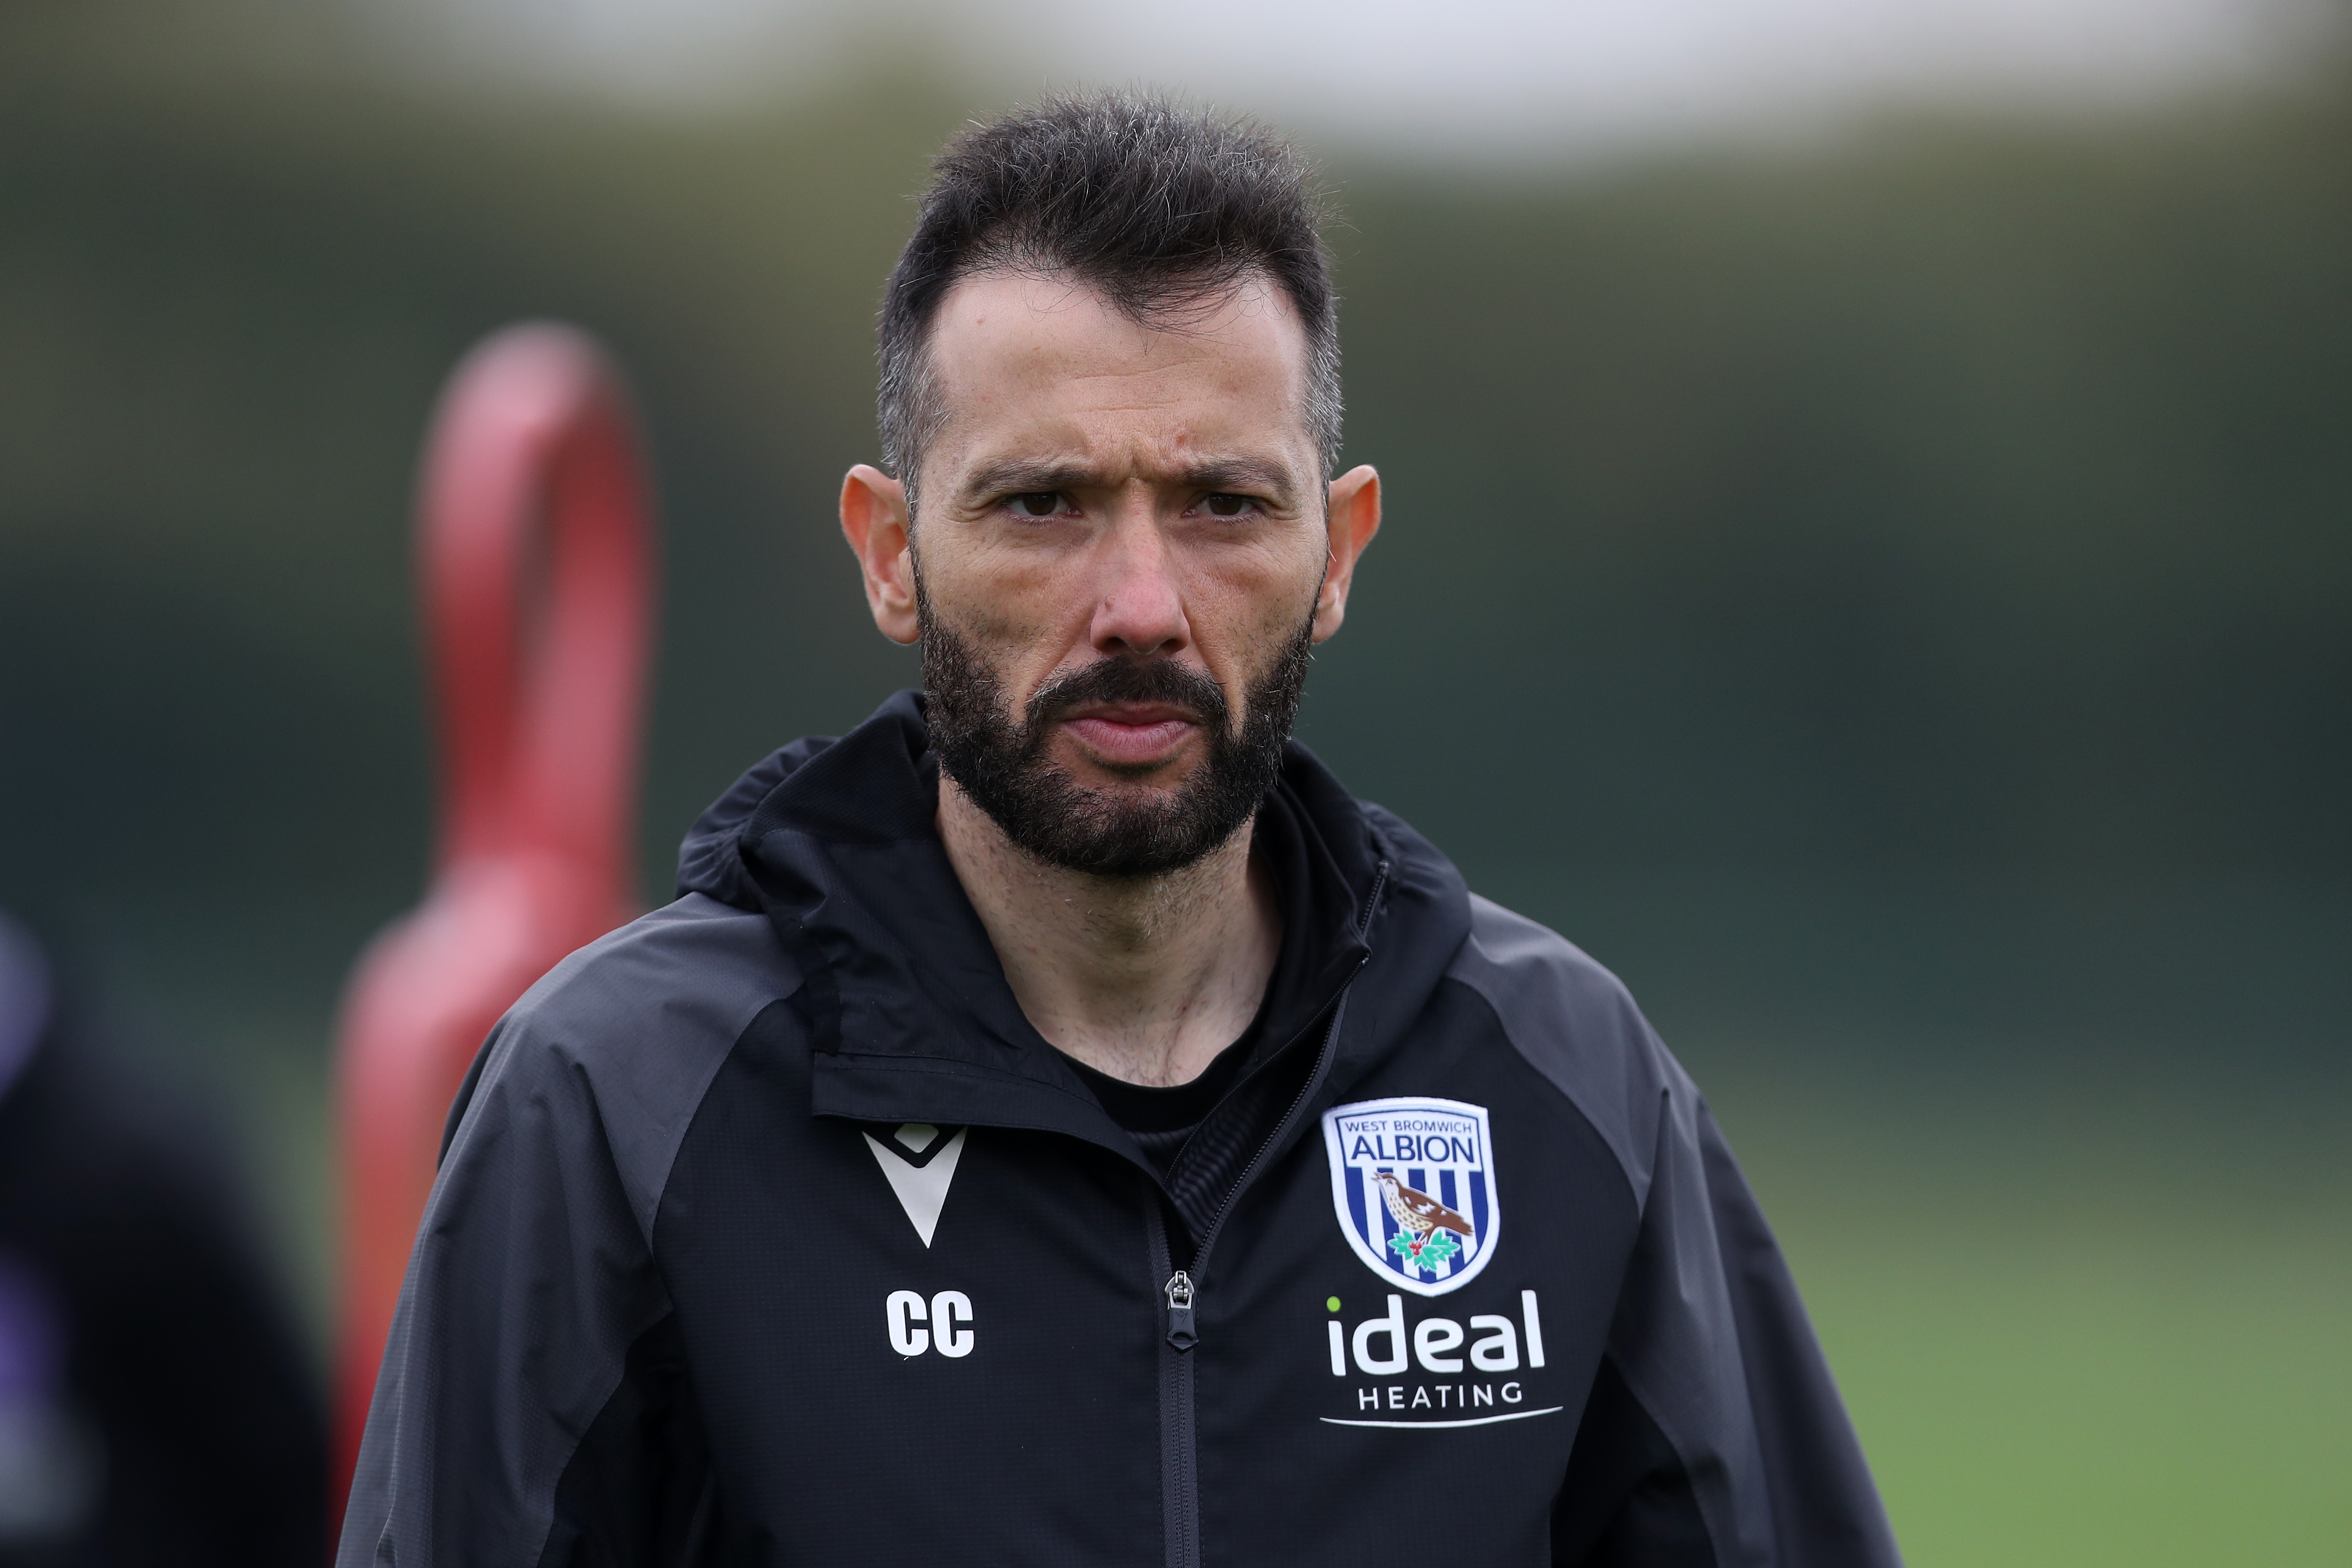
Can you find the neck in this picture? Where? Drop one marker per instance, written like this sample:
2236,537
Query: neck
1143,978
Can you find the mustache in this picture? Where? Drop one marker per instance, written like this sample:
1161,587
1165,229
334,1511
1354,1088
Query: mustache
1129,679
996,748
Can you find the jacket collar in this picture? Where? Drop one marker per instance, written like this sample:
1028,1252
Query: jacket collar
837,841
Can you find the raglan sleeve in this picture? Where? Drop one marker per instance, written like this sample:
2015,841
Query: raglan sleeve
529,1405
1714,1433
1825,1506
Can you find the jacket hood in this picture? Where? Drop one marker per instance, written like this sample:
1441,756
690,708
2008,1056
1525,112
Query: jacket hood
837,841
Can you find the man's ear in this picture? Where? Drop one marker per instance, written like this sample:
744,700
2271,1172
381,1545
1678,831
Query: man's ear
874,520
1355,517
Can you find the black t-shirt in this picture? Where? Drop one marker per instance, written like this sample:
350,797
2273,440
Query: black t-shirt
1163,1119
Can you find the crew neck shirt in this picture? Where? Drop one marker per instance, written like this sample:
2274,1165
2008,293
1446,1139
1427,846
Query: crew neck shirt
1163,1119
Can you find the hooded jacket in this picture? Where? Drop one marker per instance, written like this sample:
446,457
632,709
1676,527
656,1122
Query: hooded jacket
769,1231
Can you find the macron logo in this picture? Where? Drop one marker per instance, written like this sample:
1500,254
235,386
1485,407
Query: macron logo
918,1164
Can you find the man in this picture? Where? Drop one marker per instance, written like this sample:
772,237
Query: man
1056,1123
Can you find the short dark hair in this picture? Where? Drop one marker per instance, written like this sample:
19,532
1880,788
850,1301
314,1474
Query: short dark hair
1154,204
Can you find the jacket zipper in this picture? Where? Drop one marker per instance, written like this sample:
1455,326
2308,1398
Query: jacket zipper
1179,1491
1180,1501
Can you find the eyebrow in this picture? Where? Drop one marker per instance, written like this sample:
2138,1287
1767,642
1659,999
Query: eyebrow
1019,476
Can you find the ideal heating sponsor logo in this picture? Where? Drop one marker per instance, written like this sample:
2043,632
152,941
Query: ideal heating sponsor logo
1413,1186
1447,1372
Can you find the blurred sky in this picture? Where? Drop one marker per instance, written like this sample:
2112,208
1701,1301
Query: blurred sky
1475,78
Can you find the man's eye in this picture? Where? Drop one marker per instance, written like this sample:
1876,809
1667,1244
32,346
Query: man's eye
1228,506
1036,503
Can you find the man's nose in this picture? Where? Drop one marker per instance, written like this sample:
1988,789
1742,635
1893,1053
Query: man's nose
1138,604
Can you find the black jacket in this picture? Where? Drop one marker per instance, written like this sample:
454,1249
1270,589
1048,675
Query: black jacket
769,1231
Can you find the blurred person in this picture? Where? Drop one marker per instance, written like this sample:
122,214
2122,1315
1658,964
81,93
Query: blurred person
1055,1121
155,1404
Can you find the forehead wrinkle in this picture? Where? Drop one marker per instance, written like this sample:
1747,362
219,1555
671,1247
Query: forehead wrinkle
1136,348
1087,392
1072,417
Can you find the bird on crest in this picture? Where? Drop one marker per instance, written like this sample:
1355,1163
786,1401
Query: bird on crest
1417,1212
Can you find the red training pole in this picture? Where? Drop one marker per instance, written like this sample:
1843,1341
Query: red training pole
535,539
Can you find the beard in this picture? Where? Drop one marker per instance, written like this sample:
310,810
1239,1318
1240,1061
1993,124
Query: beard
1000,759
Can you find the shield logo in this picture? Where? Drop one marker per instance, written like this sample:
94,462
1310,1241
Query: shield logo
1413,1184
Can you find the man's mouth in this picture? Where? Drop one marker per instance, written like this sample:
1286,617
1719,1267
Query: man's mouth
1131,734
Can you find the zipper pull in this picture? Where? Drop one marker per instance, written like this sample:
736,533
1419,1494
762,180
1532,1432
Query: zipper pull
1180,1312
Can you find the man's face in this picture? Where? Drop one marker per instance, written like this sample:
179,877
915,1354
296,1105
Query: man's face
1119,563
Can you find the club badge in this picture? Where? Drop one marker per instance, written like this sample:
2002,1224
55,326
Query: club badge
1413,1184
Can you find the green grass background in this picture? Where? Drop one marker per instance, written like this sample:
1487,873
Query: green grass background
2123,1339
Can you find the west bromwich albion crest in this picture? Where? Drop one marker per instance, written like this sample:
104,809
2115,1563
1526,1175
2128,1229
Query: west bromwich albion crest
1413,1183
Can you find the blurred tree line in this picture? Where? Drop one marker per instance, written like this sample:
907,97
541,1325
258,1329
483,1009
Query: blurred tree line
1950,505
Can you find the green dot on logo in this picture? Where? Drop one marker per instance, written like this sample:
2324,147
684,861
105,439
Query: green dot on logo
1332,1304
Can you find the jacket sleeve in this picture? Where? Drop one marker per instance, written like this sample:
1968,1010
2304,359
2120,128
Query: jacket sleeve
534,1405
1714,1435
527,1353
1825,1507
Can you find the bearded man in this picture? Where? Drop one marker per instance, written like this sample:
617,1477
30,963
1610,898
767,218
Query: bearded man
1056,1123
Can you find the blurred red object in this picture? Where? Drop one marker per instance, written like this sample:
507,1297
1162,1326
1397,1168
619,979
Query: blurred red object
537,564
